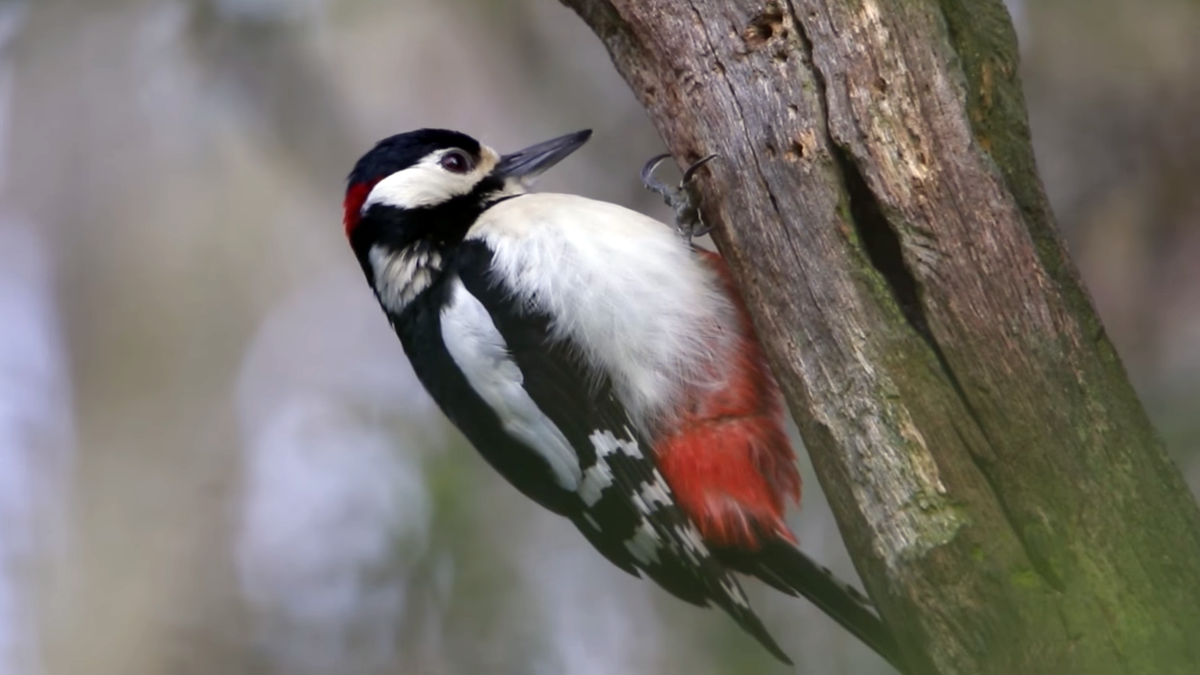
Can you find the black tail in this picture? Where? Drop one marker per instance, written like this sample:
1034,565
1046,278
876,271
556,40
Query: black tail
784,567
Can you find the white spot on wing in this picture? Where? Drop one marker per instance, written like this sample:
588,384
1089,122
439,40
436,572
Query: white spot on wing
644,543
693,545
606,444
591,521
480,353
595,479
600,476
656,494
731,589
630,447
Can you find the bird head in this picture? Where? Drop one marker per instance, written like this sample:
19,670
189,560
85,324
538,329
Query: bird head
441,173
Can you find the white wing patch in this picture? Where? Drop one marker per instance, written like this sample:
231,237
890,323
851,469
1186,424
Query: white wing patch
481,354
656,494
606,444
693,544
623,287
600,476
734,592
644,544
595,479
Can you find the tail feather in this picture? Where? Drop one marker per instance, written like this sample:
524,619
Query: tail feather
786,568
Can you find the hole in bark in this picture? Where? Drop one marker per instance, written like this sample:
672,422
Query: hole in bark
765,26
883,248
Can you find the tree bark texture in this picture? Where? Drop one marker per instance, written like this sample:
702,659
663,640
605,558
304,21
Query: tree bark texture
999,486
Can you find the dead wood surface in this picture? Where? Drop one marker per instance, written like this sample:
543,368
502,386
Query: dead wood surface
999,486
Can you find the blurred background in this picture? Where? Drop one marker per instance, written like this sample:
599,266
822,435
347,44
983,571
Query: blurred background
213,455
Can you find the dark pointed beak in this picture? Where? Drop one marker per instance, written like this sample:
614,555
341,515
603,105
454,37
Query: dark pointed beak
532,161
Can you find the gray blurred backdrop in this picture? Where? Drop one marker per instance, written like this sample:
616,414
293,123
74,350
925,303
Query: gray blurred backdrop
214,459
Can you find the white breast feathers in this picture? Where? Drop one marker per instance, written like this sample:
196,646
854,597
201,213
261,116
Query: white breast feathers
621,286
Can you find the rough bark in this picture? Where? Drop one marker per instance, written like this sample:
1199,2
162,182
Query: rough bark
999,486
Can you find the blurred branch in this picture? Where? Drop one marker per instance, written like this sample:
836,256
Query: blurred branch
1001,490
264,58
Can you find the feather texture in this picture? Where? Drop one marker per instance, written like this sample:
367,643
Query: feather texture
728,456
603,366
621,287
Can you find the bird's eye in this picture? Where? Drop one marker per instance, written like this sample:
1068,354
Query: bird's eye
455,161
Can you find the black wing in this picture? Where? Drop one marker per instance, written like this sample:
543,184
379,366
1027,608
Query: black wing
624,506
420,331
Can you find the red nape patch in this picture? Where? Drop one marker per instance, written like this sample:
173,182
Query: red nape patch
728,460
352,206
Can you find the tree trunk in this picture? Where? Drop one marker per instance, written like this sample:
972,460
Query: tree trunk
999,486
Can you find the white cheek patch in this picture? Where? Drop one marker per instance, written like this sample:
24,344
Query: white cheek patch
419,186
479,351
426,183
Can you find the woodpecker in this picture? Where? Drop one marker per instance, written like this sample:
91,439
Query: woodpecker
602,364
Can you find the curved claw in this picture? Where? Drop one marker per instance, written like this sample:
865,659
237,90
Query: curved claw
648,179
688,217
691,170
683,200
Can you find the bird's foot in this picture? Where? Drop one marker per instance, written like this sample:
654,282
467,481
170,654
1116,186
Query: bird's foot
683,200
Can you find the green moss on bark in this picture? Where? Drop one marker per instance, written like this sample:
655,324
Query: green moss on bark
983,37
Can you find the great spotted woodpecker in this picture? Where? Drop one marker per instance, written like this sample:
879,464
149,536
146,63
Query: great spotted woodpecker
603,365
